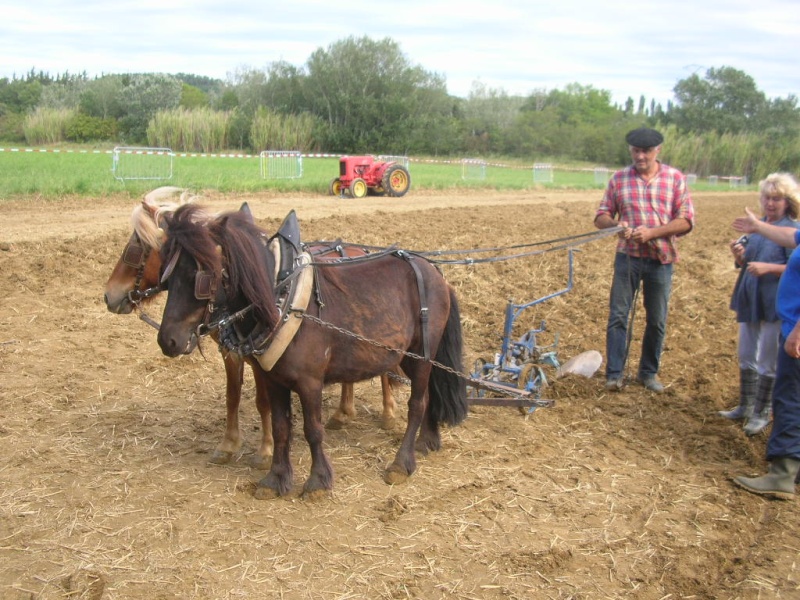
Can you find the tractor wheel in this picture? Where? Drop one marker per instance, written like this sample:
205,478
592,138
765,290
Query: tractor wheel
358,189
396,181
335,187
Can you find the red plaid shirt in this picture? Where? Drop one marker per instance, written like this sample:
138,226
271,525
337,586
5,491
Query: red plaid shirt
651,204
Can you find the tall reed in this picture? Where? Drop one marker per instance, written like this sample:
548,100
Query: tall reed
276,131
751,155
47,125
189,130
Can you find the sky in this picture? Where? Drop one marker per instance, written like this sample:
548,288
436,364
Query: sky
517,46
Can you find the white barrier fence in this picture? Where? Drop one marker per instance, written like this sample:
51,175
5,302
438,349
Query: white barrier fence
146,163
135,163
736,182
281,164
400,160
602,174
543,173
473,168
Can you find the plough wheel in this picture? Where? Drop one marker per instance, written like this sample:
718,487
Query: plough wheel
529,373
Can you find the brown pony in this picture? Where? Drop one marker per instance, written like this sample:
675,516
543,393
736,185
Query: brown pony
374,314
135,280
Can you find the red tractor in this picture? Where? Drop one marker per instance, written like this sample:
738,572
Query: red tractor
362,175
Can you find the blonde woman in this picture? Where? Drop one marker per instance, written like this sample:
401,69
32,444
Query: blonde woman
762,262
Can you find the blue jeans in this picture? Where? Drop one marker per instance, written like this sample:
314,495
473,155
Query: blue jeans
656,281
785,437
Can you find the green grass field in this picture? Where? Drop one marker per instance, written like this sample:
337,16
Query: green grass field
56,173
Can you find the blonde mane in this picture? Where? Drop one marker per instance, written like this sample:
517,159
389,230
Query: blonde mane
146,216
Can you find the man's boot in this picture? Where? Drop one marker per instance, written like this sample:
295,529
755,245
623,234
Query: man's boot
778,482
762,412
747,396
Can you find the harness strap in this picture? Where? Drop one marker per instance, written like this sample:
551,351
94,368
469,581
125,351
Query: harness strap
423,303
297,302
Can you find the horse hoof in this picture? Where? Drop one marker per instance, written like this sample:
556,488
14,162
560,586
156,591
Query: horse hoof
265,493
395,475
335,424
262,463
424,446
316,495
220,457
387,423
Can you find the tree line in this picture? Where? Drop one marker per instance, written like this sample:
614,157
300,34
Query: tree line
361,95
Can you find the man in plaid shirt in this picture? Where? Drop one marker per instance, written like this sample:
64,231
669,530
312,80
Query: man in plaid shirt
650,201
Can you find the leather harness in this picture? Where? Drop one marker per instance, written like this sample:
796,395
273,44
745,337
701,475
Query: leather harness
294,281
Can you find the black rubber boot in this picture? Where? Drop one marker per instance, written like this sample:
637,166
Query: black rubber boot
778,482
747,396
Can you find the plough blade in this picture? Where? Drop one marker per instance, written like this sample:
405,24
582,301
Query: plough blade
515,397
513,402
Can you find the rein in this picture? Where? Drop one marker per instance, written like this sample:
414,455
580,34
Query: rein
556,244
349,260
227,320
560,244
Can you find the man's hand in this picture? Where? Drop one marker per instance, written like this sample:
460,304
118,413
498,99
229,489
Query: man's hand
792,344
642,234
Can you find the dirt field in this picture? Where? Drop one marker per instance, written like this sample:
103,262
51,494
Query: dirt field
106,492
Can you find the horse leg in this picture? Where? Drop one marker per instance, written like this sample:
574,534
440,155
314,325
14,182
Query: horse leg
429,439
278,481
405,462
262,458
320,480
387,418
232,440
346,410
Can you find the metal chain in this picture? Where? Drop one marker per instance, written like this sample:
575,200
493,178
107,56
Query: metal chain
472,382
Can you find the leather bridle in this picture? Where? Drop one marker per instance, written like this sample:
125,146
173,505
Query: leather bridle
206,286
135,255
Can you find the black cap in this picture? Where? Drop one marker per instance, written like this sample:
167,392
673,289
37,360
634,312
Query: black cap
644,137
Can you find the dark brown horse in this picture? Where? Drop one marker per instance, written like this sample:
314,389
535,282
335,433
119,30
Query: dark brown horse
135,281
374,314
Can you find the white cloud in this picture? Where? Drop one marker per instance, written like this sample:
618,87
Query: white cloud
627,48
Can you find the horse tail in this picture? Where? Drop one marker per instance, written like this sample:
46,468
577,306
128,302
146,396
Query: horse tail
447,391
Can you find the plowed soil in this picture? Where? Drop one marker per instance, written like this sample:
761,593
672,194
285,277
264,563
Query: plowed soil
106,490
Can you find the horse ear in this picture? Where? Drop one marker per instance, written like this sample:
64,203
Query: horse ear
150,207
245,209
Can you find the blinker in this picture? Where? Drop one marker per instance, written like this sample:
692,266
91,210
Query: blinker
133,255
204,286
